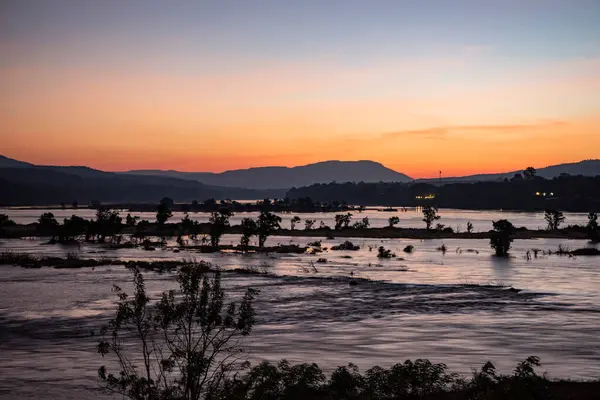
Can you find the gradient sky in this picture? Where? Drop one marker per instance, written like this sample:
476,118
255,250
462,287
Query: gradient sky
420,86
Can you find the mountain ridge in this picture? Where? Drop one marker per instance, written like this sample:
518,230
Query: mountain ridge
281,177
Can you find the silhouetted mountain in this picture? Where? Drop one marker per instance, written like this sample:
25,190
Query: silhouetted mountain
284,177
585,168
6,162
36,185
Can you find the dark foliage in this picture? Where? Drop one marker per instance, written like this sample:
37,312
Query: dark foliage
570,193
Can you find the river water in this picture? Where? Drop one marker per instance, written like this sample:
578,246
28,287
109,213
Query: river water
412,218
426,304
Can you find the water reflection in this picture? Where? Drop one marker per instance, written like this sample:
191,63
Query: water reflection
416,306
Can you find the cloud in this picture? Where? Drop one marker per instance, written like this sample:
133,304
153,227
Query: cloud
443,131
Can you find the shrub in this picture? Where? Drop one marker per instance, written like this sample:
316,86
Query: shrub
347,245
186,341
501,237
382,252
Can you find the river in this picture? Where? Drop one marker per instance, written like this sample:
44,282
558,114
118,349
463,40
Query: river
426,304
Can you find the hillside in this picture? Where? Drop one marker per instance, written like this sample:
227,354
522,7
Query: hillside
585,168
6,162
53,185
287,177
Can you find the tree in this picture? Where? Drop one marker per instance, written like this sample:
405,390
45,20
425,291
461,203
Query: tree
219,221
6,221
294,221
342,221
309,224
517,178
529,173
267,224
107,223
249,229
131,221
392,221
47,224
362,224
188,343
554,219
501,237
73,227
592,227
469,227
430,215
163,213
187,225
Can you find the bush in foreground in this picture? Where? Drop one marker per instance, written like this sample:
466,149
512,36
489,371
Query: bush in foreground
186,346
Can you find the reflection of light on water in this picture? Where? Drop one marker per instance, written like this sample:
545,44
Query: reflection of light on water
47,314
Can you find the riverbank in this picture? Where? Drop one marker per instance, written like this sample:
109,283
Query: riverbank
173,230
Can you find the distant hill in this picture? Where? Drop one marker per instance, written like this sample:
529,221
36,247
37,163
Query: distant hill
6,162
585,168
38,185
286,177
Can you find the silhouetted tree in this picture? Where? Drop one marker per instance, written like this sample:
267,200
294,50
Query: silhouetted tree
249,229
219,221
553,219
362,224
267,224
342,221
501,237
47,224
107,223
183,347
294,221
131,221
430,215
517,178
187,225
73,227
592,227
163,213
392,221
529,173
309,224
6,221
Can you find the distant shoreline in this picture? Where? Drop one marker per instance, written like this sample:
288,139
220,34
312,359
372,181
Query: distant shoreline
171,230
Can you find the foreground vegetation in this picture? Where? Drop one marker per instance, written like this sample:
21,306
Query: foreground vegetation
188,345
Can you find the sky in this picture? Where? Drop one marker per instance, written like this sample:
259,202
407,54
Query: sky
461,86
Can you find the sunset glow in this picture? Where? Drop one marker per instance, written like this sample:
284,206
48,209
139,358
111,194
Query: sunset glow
212,86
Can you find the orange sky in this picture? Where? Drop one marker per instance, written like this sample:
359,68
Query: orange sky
462,108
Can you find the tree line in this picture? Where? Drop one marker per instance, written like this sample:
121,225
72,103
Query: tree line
523,192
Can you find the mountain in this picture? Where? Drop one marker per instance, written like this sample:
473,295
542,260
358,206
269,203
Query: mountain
6,162
286,177
40,185
585,168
